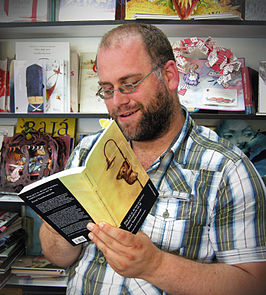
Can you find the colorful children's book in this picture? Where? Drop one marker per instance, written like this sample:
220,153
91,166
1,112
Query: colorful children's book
29,156
53,51
55,86
55,127
112,187
29,86
198,88
145,9
219,9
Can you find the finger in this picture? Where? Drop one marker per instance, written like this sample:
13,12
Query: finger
110,234
116,254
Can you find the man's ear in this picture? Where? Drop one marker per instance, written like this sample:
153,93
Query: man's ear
171,75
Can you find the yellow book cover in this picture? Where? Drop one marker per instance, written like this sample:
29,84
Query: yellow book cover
218,9
112,187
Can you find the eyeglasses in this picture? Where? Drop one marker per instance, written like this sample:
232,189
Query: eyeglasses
124,88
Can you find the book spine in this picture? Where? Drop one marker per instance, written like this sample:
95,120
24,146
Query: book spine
249,109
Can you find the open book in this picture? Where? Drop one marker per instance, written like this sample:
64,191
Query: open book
112,187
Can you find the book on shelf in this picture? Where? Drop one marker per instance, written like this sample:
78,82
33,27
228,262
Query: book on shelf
198,88
8,252
17,250
8,72
29,86
11,88
89,102
112,187
255,10
219,9
13,227
6,218
250,88
262,88
145,9
25,11
86,10
55,86
74,81
32,265
56,127
52,55
11,239
120,9
3,84
4,277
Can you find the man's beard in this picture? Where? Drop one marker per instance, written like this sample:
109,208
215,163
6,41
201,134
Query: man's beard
156,118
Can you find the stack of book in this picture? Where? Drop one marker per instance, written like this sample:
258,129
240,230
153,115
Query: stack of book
12,242
36,267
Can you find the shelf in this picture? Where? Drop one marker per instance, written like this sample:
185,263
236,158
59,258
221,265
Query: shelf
189,28
197,115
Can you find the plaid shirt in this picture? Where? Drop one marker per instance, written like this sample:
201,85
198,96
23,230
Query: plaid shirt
211,208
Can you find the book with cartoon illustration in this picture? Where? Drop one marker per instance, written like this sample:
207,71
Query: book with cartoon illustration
112,187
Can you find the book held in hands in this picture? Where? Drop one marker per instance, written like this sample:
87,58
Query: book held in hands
112,187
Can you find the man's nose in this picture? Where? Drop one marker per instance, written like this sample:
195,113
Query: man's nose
120,98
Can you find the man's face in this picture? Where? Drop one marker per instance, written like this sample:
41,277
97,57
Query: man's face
146,113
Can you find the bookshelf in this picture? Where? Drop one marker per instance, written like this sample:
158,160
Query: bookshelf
246,38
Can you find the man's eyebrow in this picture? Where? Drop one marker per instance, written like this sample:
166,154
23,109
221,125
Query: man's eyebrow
121,80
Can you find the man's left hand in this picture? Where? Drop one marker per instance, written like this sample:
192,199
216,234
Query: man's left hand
130,255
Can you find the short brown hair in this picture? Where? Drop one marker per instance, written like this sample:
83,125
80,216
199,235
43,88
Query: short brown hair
155,41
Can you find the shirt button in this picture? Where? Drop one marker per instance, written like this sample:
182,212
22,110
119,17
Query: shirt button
101,260
166,214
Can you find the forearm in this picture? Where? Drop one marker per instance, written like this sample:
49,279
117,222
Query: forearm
177,275
55,248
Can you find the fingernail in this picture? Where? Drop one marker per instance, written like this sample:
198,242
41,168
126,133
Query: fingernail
101,224
90,226
90,236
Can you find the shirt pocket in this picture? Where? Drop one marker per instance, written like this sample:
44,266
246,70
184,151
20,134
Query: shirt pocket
169,221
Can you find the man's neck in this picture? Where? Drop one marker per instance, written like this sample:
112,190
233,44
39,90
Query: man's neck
148,151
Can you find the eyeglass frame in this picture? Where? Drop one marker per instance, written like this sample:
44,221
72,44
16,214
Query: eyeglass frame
118,88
